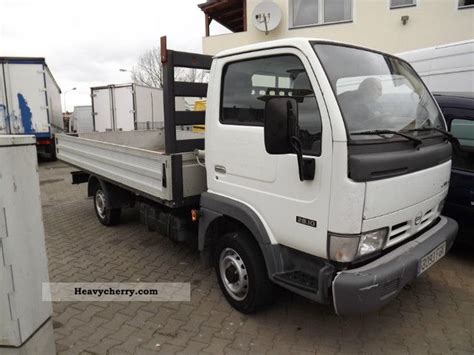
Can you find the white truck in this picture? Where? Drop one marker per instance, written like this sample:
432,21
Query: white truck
30,101
81,121
445,68
334,194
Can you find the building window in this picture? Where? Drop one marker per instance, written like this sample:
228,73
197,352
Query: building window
248,84
318,12
395,4
465,3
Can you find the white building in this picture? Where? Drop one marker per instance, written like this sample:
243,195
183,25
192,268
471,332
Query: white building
393,26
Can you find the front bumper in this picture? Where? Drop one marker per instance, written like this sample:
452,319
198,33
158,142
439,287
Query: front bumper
372,286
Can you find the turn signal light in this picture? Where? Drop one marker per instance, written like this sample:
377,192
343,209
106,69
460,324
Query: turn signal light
194,215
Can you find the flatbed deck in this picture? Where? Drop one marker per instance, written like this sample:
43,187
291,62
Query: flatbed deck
137,161
156,164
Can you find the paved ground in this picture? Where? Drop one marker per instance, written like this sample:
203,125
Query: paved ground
435,315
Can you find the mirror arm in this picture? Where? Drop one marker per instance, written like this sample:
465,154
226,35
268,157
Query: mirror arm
296,143
306,166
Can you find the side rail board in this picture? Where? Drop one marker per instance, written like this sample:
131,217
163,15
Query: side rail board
140,169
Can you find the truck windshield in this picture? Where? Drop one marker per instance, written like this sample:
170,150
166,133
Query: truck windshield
378,92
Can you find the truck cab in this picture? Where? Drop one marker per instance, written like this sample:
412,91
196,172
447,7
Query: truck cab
327,168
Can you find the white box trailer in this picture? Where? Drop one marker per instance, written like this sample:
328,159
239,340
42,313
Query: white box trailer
82,121
445,68
126,107
30,100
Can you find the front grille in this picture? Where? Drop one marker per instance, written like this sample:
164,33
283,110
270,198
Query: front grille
398,230
403,230
427,217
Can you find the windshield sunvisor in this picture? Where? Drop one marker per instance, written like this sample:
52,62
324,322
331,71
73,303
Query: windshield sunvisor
368,164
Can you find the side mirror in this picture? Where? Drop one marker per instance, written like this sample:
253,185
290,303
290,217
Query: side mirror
281,133
281,123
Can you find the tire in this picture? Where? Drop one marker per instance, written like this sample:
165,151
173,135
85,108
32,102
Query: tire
241,272
52,152
107,216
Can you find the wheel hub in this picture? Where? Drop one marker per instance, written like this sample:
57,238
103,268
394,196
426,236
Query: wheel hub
233,273
100,203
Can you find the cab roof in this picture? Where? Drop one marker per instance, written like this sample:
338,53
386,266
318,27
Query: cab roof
297,42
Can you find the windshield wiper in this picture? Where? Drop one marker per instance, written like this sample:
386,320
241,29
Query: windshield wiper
452,139
388,131
442,131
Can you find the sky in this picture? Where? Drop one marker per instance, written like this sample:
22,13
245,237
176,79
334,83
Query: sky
86,42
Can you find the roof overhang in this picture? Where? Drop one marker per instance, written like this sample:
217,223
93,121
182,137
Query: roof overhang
229,13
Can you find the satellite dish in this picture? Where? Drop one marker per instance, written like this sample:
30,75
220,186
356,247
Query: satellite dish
266,16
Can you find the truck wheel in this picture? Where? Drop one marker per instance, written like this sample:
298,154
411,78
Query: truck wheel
242,273
107,216
52,151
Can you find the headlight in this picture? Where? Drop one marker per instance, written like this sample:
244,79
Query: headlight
371,242
347,248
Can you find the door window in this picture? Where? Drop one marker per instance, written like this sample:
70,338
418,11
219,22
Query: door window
248,84
463,130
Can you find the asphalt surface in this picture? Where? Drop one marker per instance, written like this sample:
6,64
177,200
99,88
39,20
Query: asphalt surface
435,315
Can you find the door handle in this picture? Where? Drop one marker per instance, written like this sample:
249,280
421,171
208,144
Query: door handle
220,169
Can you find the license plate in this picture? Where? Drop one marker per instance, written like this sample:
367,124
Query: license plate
431,258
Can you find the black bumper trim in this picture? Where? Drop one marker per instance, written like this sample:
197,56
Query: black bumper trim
372,286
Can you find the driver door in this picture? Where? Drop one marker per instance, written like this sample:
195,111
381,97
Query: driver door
295,212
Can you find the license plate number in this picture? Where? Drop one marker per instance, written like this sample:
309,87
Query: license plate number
431,258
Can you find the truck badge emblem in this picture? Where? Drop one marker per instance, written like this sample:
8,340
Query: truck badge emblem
306,221
418,218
